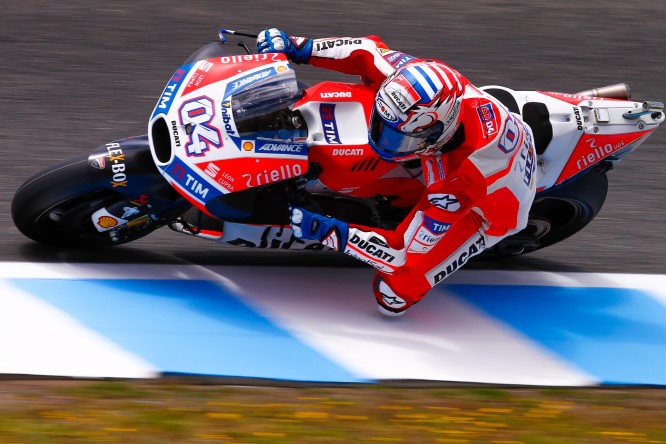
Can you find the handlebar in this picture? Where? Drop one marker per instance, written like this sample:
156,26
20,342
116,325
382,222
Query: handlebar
221,33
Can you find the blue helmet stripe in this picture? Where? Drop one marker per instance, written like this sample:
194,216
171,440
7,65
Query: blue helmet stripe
427,78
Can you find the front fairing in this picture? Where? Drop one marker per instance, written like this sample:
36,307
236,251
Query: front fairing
199,143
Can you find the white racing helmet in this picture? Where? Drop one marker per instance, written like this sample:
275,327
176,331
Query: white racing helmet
416,111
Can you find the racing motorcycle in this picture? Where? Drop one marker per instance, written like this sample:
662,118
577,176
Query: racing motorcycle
234,139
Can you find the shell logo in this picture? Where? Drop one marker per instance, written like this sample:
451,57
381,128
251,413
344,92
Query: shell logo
107,222
282,68
248,145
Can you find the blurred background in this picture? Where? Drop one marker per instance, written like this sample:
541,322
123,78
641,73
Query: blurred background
80,73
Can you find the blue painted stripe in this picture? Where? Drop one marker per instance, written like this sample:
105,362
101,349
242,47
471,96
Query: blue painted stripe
615,334
187,326
427,77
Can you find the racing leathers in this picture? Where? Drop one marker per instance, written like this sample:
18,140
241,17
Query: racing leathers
478,188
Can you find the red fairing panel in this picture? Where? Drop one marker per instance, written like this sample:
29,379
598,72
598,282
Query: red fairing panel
593,148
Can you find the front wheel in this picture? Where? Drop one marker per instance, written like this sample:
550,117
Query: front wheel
55,206
558,214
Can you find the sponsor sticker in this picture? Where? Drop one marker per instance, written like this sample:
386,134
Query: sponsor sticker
471,248
510,138
447,202
117,162
190,181
297,149
435,226
488,119
386,112
402,61
249,79
402,93
336,95
327,113
166,99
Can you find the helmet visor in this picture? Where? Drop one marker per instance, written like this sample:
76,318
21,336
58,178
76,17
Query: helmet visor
391,140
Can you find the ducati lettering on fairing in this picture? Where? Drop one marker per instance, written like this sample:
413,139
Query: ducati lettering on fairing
579,119
371,248
328,44
336,95
348,152
458,261
174,131
199,113
327,112
117,161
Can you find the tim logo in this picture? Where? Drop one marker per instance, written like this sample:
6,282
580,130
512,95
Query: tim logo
327,113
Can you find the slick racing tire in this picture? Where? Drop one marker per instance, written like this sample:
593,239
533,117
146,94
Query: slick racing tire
54,207
558,214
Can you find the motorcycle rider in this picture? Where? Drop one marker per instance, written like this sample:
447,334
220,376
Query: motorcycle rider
478,165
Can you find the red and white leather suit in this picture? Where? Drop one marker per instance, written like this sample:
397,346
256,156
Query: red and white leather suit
475,195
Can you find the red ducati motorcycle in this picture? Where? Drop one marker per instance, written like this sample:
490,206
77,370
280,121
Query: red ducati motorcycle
234,139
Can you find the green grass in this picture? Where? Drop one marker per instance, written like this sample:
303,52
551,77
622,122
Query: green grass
171,412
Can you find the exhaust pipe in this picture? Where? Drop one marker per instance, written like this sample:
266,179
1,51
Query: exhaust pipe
617,91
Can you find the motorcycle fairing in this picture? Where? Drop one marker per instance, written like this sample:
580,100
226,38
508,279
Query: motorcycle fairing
204,150
337,116
580,125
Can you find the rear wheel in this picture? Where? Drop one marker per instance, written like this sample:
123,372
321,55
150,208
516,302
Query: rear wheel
559,214
55,206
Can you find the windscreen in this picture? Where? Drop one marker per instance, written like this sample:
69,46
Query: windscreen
274,93
263,109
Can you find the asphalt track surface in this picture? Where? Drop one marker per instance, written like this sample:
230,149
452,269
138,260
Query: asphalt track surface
77,74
